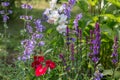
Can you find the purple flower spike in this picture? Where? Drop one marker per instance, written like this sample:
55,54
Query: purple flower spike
95,43
5,4
61,56
67,31
115,51
72,2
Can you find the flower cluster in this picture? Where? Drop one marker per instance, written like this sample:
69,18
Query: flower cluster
97,75
34,41
78,17
35,34
41,65
26,7
95,47
59,15
5,12
115,51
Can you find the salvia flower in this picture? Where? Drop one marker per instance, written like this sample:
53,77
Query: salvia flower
95,43
61,56
115,51
5,4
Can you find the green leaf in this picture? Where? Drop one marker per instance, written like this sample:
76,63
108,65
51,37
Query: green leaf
83,5
93,2
115,2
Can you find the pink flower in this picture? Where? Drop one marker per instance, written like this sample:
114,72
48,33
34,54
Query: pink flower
40,70
50,64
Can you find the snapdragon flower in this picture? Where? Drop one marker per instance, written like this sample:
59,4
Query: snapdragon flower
53,4
61,28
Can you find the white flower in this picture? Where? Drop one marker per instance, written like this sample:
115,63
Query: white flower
47,12
61,28
63,19
53,17
53,4
61,8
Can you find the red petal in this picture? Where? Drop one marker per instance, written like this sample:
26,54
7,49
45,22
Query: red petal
35,58
41,58
40,70
50,64
35,64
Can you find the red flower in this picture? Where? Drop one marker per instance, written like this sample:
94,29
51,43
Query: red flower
50,64
39,58
35,64
35,58
40,70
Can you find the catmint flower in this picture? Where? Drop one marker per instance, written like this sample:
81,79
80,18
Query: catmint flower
2,12
26,6
29,46
41,43
10,11
115,51
37,36
26,17
29,28
5,18
39,26
5,4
